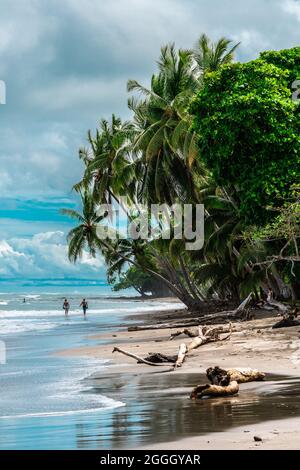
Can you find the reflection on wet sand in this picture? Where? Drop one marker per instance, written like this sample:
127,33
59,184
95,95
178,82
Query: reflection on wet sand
158,409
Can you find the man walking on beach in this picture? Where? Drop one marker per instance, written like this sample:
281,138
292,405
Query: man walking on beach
84,306
66,307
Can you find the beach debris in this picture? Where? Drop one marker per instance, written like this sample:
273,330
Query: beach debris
194,332
225,382
289,319
159,357
182,351
205,335
209,390
219,376
158,326
137,358
280,306
244,375
257,439
244,304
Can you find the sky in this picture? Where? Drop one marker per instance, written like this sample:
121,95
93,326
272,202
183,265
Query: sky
65,65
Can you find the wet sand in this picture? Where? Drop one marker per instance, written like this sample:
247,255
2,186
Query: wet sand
229,423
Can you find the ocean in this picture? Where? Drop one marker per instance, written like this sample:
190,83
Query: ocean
46,399
52,402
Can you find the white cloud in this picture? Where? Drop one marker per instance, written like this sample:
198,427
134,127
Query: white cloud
13,263
44,255
72,92
70,64
292,7
65,65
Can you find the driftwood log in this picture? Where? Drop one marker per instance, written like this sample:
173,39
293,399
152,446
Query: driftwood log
278,305
205,335
218,376
246,375
161,326
137,358
210,390
225,382
159,357
181,355
202,330
289,319
226,316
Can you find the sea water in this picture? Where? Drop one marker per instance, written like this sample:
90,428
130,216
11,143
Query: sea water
53,402
44,398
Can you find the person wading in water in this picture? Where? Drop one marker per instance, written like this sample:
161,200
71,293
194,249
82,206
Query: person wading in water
84,306
66,307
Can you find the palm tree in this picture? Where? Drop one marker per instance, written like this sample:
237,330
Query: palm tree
84,236
107,160
119,252
210,56
162,122
154,159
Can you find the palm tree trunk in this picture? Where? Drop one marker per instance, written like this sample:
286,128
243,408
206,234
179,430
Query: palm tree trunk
188,279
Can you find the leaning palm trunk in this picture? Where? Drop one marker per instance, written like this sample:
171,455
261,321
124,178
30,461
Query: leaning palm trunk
188,295
177,288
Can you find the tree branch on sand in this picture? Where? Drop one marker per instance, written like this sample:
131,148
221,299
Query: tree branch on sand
158,359
225,382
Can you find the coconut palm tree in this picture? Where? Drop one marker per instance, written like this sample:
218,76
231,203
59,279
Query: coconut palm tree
108,168
162,121
210,56
118,252
84,236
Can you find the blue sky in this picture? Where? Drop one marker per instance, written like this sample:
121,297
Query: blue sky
65,65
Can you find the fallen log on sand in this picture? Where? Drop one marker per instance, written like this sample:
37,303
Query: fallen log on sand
159,357
275,304
161,326
218,376
215,390
225,382
289,319
246,375
137,358
181,355
194,332
209,336
226,315
286,322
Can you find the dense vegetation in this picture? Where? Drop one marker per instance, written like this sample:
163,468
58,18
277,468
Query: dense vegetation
207,131
248,128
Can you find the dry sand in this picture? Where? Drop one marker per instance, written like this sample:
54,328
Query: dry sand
252,344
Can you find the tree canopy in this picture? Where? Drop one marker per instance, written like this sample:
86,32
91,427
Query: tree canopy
248,130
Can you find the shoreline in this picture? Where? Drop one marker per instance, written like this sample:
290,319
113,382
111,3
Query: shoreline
252,344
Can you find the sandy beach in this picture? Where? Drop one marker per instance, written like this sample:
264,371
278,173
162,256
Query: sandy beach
252,344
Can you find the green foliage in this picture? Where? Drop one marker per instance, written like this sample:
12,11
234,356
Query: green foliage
236,149
248,130
210,56
141,281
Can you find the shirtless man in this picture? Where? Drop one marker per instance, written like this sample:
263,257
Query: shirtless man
66,307
84,306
